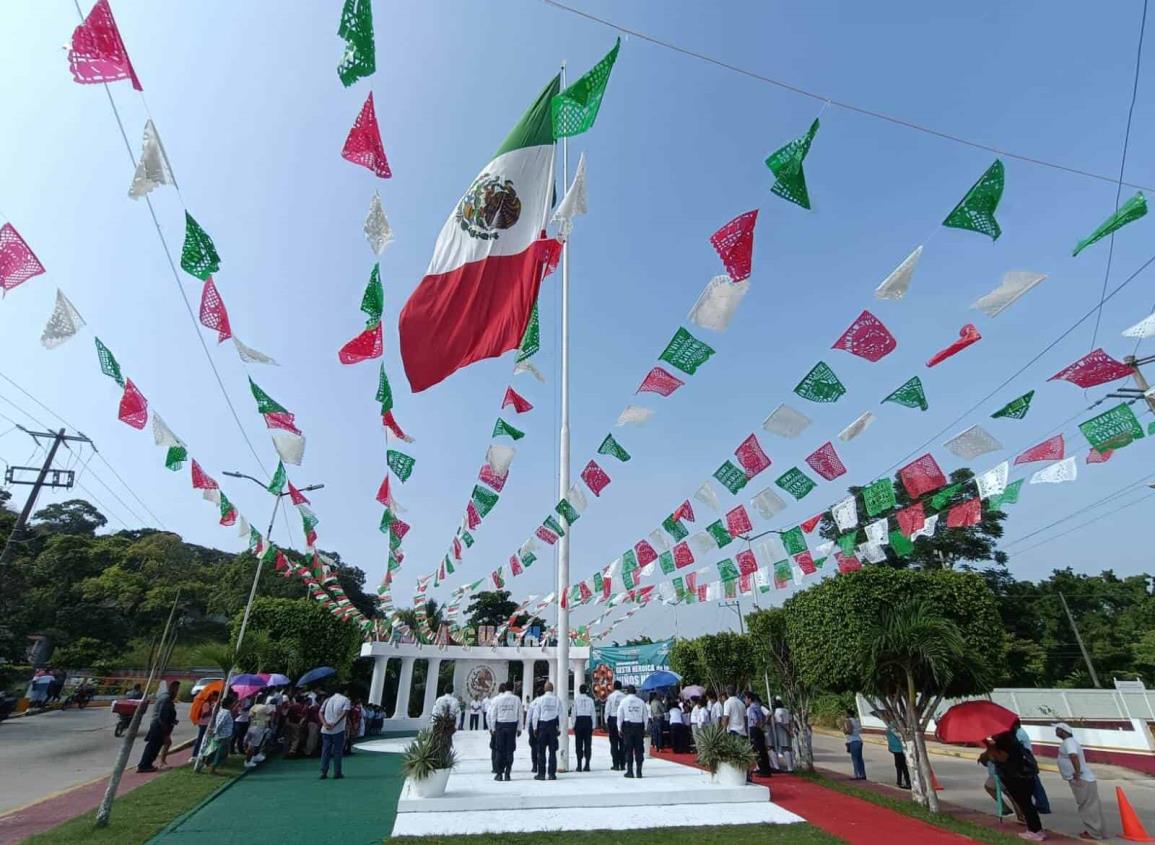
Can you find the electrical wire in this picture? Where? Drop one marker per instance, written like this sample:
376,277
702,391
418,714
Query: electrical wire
1088,522
156,519
842,104
1019,371
1122,167
177,280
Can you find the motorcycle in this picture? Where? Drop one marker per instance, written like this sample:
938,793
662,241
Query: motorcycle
125,709
80,697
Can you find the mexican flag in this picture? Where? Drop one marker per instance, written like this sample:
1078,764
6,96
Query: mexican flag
475,299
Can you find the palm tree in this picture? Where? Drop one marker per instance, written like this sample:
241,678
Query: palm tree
434,616
912,655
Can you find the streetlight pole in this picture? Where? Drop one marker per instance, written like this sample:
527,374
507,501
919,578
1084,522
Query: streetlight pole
248,608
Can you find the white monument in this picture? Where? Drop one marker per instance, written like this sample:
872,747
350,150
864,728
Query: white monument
476,670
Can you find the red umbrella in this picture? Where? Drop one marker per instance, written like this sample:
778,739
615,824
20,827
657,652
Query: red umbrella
974,721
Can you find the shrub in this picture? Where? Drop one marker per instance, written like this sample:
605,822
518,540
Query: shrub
716,746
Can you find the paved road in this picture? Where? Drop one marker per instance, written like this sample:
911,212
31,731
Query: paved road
42,755
962,782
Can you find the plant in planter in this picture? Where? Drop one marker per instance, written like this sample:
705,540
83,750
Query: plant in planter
720,751
429,758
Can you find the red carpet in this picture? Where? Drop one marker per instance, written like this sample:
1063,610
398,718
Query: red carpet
851,819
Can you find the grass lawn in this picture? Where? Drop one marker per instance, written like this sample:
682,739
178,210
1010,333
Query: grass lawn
751,834
141,814
909,808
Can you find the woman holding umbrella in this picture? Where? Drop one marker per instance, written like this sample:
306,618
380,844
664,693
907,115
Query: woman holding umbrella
1017,770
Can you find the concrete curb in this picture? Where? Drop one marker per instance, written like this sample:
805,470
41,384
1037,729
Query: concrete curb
936,750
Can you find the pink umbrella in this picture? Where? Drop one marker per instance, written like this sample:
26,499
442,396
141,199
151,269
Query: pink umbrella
692,690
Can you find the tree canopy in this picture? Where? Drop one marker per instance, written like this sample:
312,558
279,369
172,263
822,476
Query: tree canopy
947,548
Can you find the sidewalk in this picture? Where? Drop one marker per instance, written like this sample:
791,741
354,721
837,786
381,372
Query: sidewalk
23,822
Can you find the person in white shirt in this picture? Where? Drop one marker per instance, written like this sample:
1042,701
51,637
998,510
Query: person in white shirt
713,709
334,712
1084,785
535,756
487,718
545,723
678,732
583,725
783,728
447,705
613,702
697,717
506,729
475,708
733,713
633,715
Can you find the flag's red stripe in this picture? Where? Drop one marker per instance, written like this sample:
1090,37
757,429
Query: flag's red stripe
474,312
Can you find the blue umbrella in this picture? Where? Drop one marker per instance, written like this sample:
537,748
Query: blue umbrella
314,675
247,681
661,680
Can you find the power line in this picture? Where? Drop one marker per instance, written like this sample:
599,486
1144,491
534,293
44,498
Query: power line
851,107
1021,369
1101,501
1122,167
157,520
177,280
1088,522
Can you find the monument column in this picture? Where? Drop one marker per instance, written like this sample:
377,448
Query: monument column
377,684
527,679
404,682
578,664
433,668
553,673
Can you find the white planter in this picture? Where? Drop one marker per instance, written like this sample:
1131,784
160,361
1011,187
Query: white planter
729,775
432,786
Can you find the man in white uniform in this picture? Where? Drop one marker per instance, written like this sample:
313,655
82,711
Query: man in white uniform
447,705
544,724
506,729
713,710
486,719
334,713
613,702
583,725
534,748
475,708
633,713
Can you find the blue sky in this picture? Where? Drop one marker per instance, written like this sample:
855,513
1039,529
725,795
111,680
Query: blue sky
248,103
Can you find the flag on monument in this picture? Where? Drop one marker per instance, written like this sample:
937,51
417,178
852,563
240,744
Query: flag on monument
475,299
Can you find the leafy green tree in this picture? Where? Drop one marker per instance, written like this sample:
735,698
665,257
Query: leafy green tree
833,628
309,635
489,607
686,659
948,548
774,658
74,516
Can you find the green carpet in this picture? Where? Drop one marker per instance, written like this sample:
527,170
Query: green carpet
284,801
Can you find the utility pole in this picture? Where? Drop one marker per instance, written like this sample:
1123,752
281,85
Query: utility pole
736,606
60,478
1079,640
248,607
1141,380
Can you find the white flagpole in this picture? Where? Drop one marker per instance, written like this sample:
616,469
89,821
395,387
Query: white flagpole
563,489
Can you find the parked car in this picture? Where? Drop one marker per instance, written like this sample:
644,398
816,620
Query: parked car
204,682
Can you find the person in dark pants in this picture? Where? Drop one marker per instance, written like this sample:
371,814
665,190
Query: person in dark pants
633,714
583,725
506,729
1017,769
756,728
613,702
894,746
534,745
544,722
163,721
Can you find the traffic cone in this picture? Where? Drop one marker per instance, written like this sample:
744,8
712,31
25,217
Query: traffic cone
934,784
1133,830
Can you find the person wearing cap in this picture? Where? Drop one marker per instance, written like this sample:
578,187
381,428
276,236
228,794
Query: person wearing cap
1084,785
